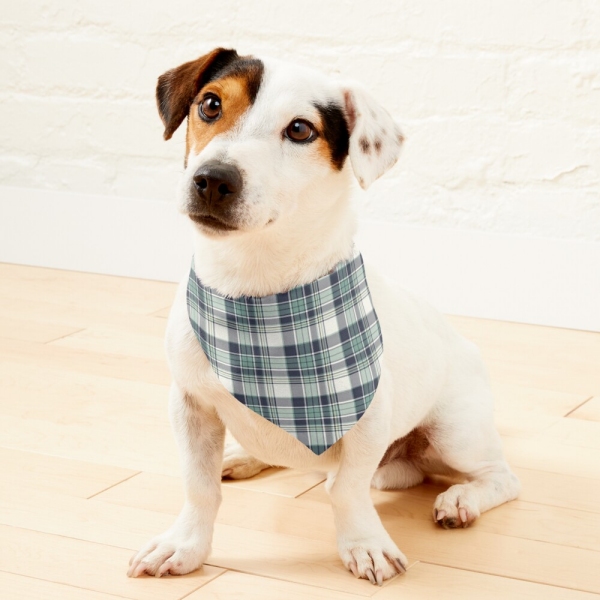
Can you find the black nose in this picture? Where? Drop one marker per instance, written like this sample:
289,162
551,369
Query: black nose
218,183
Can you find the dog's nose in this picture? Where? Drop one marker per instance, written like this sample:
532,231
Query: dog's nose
216,181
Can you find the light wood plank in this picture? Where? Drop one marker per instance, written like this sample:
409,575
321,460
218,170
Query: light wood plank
163,493
564,526
250,587
49,473
551,456
573,432
87,565
33,331
77,316
95,418
524,411
18,587
80,361
72,288
110,340
555,489
282,482
426,581
550,358
122,443
78,398
590,411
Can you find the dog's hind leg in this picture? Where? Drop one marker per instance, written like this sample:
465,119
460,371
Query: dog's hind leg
398,474
238,464
400,466
470,444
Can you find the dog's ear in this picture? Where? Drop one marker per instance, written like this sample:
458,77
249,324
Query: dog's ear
375,138
177,88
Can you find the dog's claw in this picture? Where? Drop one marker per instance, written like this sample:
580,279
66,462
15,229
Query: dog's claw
379,577
371,576
399,566
439,515
354,569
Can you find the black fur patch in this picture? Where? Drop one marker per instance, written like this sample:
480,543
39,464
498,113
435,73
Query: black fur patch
335,132
251,69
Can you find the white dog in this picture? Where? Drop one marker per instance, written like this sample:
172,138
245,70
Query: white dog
266,186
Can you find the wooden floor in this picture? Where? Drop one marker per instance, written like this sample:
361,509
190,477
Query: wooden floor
89,470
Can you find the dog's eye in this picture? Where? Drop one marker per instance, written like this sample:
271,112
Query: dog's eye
299,130
210,108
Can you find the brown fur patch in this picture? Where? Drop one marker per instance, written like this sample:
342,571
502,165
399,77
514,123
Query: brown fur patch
236,99
350,110
177,88
377,145
411,447
365,145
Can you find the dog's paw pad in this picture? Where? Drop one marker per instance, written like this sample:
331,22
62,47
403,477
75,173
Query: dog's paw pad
456,507
238,464
165,556
370,561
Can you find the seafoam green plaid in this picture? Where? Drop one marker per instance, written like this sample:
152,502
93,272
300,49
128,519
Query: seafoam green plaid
307,360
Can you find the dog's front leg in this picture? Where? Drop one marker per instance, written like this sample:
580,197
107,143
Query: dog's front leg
184,547
365,546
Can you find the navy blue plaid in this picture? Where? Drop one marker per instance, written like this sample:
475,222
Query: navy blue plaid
307,360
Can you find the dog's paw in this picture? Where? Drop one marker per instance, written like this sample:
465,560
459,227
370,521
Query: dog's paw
238,464
372,559
170,554
456,507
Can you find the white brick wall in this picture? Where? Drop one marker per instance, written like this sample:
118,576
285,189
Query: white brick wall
500,99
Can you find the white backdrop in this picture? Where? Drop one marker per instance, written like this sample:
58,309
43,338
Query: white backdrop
499,100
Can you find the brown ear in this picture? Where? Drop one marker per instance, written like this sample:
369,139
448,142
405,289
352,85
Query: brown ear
177,88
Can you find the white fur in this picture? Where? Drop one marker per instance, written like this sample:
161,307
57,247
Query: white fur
295,224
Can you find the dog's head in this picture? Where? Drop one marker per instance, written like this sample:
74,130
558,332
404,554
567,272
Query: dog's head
265,138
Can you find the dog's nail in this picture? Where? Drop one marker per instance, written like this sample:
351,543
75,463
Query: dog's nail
462,512
401,568
226,472
354,569
371,577
440,515
379,577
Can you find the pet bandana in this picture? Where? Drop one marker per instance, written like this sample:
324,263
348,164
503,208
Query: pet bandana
308,360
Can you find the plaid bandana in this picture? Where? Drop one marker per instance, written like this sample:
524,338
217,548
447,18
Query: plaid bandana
308,360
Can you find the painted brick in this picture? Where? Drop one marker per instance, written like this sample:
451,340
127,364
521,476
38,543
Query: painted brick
499,100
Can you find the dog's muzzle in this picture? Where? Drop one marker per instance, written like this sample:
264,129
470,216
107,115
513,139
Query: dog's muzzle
216,187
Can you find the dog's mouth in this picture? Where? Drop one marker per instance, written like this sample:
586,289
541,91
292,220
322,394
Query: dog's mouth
211,222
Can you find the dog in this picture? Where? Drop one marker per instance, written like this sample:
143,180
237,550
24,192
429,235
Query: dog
271,150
